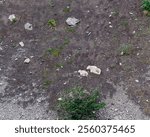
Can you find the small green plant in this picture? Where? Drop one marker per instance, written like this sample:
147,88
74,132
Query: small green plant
52,23
146,7
66,42
59,65
125,49
54,52
70,29
46,83
78,104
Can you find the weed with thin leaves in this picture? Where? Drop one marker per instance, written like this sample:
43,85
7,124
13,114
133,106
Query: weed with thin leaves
78,104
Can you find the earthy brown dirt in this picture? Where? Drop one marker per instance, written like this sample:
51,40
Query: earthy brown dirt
26,87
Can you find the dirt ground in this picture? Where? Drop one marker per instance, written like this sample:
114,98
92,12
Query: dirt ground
30,91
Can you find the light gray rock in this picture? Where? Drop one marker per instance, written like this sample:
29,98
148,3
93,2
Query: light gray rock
28,26
72,21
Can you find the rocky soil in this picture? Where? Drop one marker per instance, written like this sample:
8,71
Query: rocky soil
41,55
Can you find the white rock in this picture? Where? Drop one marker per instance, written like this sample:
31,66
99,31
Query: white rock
59,99
110,26
12,17
133,32
72,21
137,81
94,69
122,53
21,44
28,26
27,60
83,73
120,64
130,13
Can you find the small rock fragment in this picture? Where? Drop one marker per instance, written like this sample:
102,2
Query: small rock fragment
59,99
110,26
72,21
21,44
94,69
27,60
12,17
130,13
137,81
83,73
28,26
120,64
133,32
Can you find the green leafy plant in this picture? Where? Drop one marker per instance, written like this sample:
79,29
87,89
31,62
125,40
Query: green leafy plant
125,49
146,7
78,104
70,29
52,23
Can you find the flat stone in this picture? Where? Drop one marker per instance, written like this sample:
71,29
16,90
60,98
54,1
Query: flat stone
72,21
94,69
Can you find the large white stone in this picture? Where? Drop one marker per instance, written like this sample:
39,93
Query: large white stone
94,69
72,21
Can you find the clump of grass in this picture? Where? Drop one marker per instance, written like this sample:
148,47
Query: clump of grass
66,42
59,65
125,49
146,7
54,52
78,104
47,83
52,23
70,29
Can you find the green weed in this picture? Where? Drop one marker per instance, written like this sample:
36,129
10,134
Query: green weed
125,49
52,23
78,104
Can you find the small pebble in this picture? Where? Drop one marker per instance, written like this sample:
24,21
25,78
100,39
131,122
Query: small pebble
28,26
59,99
137,81
133,32
27,60
21,44
110,26
12,17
